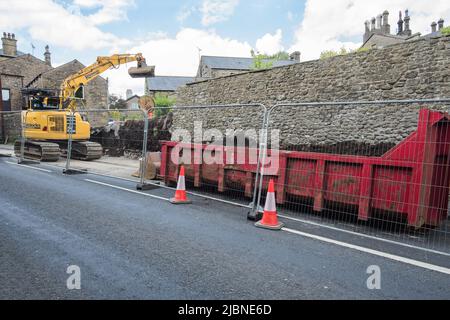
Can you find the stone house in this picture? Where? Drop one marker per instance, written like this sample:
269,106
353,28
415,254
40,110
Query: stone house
19,70
132,102
96,91
378,31
213,67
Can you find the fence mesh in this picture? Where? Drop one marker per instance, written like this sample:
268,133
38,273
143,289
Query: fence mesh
10,132
377,168
218,148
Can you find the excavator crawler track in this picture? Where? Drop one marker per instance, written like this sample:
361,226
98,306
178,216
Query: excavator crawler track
86,150
38,150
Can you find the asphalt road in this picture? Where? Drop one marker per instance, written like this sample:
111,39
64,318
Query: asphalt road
131,246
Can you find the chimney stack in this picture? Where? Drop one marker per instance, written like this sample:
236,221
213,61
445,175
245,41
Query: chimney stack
441,24
9,44
400,24
47,55
386,27
373,24
295,56
379,21
407,19
129,94
433,27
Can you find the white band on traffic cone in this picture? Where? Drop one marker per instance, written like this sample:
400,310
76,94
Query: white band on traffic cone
270,203
181,184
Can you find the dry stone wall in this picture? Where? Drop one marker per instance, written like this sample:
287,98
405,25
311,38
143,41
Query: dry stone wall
412,70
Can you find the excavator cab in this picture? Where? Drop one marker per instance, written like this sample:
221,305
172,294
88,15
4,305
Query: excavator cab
41,99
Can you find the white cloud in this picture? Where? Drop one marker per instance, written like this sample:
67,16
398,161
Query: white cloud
214,11
333,24
176,56
185,13
109,10
56,25
270,43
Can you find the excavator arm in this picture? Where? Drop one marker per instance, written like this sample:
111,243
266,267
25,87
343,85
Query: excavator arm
73,83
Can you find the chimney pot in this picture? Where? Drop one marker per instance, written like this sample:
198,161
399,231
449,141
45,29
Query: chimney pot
47,56
4,34
441,24
295,56
433,27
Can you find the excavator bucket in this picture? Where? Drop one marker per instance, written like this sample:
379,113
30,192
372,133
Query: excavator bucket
142,71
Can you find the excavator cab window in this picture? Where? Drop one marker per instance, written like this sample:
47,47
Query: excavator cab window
79,94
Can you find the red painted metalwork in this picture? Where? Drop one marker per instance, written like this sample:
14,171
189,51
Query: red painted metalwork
411,179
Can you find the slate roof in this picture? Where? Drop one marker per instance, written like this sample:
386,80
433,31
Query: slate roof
234,63
166,83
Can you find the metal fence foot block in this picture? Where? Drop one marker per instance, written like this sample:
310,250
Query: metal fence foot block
74,172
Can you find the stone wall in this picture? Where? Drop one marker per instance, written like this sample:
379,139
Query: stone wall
12,126
14,84
412,70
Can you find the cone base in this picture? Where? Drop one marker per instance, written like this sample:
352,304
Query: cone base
278,226
175,201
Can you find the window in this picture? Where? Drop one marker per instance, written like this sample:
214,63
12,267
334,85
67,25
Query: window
5,95
134,106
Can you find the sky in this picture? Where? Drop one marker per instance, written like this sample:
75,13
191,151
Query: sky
172,34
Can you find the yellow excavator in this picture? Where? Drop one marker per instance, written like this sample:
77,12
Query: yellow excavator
50,119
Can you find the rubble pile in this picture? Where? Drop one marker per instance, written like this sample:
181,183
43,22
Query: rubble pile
119,138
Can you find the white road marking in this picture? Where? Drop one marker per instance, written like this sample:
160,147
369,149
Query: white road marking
30,167
412,262
125,189
366,236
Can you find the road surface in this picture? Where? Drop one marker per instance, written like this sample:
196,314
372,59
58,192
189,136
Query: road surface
132,246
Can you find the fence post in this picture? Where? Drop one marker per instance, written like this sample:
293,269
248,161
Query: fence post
142,185
254,214
70,123
22,140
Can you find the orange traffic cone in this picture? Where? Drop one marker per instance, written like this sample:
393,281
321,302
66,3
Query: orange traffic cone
180,194
270,218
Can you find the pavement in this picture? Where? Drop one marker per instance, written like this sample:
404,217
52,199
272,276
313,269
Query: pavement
137,245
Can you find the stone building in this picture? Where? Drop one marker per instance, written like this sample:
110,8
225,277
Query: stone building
9,47
19,70
213,67
96,91
15,74
132,102
378,31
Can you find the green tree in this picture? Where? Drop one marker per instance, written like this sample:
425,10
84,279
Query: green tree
163,104
264,61
446,31
115,102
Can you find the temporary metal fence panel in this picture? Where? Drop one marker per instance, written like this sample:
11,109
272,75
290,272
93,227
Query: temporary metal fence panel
121,135
11,134
379,167
218,147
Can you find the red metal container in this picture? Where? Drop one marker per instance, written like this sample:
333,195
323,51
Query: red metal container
412,179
